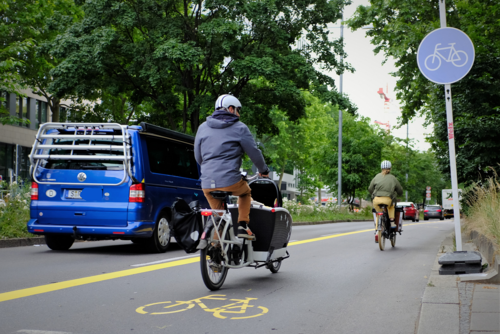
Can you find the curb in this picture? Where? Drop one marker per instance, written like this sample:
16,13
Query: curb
18,242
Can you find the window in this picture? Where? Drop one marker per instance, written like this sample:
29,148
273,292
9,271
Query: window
84,164
5,103
171,158
6,160
26,106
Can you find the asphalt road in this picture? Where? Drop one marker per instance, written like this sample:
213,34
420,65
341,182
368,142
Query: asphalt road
336,281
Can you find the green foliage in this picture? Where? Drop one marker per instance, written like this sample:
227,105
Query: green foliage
16,213
179,56
25,29
399,27
362,145
330,212
422,169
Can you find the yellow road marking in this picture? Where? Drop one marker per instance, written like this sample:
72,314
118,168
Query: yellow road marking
128,272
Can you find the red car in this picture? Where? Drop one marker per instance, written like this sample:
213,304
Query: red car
410,211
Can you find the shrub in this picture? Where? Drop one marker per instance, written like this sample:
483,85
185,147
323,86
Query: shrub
16,213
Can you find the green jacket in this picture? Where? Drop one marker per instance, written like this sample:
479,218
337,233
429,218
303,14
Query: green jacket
385,186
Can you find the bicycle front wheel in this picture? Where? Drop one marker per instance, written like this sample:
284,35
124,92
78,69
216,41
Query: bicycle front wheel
393,240
213,270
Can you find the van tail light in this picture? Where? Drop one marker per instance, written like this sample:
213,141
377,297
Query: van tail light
137,193
34,191
438,210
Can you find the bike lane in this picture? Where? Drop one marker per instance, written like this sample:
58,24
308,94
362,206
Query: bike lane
119,301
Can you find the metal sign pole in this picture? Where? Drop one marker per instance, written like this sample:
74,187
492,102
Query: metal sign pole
451,145
339,179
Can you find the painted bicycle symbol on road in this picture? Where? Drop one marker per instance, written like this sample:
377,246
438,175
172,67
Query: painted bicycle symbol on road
238,306
457,57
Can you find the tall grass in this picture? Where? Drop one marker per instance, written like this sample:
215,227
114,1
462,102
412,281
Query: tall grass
484,209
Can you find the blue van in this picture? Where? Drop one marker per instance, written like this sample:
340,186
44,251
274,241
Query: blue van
94,181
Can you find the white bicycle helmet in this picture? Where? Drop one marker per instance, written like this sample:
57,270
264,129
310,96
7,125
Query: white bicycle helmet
226,101
386,164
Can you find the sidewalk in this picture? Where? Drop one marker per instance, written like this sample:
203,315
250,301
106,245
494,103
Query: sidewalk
453,305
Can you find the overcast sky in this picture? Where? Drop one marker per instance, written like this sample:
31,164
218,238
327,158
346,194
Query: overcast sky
362,85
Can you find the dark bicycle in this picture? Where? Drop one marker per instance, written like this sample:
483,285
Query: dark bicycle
383,228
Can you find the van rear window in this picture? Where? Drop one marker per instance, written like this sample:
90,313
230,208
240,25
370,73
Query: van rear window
171,158
84,164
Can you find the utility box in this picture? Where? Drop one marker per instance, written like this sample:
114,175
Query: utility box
458,263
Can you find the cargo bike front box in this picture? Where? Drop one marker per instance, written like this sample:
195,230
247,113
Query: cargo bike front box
269,221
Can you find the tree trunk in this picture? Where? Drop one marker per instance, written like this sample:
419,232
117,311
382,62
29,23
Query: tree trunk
55,105
319,196
281,175
184,114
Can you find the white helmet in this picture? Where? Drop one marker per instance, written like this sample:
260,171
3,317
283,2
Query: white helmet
226,101
386,164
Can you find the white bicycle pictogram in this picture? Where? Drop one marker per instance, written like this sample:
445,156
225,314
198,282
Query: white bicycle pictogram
458,58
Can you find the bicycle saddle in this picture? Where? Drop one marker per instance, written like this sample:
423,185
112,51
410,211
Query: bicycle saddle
220,194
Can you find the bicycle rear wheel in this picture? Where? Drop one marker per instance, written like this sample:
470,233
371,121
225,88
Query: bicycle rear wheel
212,264
381,236
213,270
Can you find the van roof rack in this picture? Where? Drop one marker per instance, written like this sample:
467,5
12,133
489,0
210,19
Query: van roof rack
78,131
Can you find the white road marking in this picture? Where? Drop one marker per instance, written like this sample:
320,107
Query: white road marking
162,261
31,331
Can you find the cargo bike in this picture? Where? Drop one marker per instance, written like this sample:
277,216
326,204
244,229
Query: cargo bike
269,221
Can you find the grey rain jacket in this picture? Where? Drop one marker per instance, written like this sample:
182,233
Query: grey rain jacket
219,146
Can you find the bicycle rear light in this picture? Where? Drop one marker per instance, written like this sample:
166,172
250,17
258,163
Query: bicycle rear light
427,211
137,193
34,191
380,213
206,213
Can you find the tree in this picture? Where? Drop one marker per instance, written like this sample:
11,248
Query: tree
362,145
399,27
25,29
299,144
180,55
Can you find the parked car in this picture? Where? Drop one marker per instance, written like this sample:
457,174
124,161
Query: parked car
433,211
410,211
109,181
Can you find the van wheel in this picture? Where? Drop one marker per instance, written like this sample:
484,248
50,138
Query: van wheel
160,240
59,242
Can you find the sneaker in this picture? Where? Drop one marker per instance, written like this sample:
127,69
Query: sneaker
203,243
244,231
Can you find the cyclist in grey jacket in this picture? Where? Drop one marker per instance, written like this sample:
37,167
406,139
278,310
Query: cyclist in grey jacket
219,146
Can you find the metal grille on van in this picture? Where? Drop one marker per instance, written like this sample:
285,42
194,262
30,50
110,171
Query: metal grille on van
74,133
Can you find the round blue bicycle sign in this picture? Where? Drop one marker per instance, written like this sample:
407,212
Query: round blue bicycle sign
445,55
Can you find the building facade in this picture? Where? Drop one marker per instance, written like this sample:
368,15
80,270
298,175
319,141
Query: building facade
16,140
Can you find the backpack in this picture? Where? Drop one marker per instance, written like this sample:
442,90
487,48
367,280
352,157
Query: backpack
185,224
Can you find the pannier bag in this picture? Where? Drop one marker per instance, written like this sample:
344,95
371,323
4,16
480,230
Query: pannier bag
185,224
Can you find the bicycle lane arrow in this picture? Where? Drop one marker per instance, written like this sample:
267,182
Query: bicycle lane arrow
445,55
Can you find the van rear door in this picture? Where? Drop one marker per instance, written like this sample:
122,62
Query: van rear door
78,189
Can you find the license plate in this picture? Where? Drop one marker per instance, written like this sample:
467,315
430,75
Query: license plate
75,194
